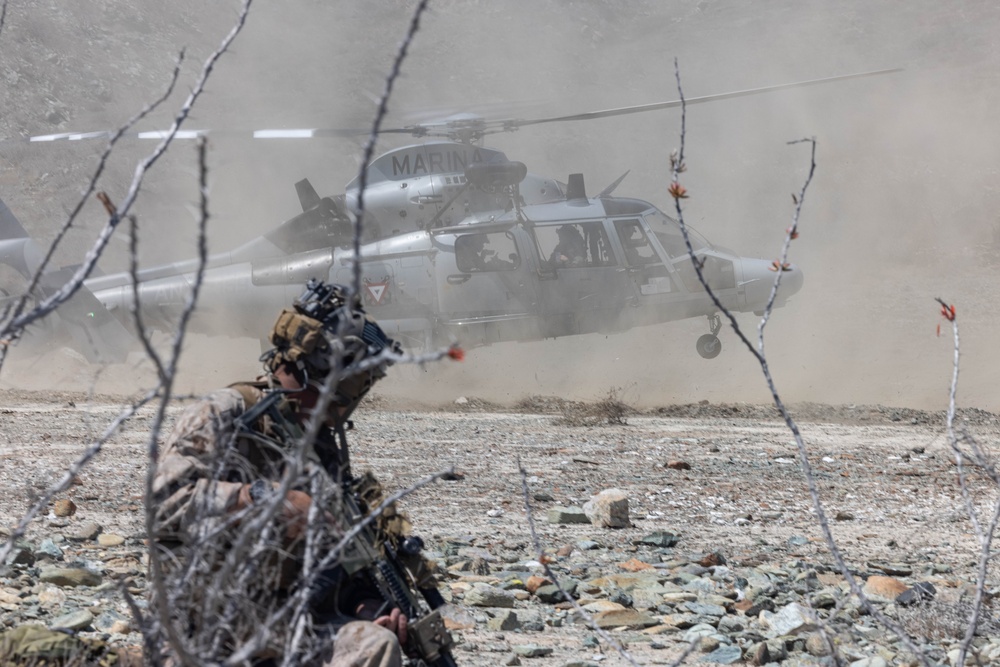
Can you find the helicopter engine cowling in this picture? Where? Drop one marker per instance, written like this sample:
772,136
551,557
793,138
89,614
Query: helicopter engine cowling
496,174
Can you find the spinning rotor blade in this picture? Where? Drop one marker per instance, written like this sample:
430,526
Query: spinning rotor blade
640,108
462,127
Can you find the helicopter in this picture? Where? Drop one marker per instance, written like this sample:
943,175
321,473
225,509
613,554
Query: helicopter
459,243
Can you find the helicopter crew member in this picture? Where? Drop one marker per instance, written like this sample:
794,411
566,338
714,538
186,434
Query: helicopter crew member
226,456
571,249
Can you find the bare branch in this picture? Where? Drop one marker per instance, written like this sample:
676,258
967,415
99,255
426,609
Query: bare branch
329,559
979,458
677,191
140,325
166,386
383,109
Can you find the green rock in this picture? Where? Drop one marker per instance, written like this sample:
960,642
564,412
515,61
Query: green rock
660,538
76,620
567,515
69,576
532,650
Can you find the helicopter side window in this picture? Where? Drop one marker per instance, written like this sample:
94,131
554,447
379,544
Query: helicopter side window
574,245
486,252
668,232
638,251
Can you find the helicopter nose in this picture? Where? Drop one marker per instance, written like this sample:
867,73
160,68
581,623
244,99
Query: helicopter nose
758,278
791,282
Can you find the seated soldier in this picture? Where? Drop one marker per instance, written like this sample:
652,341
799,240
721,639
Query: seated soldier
233,553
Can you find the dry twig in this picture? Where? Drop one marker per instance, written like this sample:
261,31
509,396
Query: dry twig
383,109
678,192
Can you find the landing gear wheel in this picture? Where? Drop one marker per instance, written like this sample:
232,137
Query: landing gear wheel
709,346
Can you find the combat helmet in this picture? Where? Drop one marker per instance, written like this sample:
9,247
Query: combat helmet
323,331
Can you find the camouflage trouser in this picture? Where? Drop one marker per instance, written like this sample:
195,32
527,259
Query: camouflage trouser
364,644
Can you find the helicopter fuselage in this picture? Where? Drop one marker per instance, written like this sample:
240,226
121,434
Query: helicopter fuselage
484,281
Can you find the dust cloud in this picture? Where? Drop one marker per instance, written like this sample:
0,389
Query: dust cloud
904,206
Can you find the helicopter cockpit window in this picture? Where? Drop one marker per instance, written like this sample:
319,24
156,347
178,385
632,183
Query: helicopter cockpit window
486,252
582,244
668,232
638,250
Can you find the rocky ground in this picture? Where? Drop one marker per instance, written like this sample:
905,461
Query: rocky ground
719,540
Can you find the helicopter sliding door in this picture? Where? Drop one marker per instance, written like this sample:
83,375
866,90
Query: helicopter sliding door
582,288
484,292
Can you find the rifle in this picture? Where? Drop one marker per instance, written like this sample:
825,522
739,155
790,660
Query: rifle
385,565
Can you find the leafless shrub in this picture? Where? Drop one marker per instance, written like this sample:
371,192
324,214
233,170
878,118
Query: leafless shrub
241,590
609,410
934,620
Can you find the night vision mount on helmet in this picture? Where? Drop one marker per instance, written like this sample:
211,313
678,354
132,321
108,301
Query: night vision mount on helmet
323,332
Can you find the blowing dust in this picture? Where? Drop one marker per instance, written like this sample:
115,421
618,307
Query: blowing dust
904,207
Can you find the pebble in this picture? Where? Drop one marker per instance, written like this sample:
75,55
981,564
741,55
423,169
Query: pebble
110,540
724,655
69,576
64,507
76,620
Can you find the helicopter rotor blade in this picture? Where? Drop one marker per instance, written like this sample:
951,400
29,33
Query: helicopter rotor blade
655,106
460,128
157,135
606,192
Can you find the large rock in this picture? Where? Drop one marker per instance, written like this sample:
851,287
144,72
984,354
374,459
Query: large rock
724,655
76,620
608,509
85,532
791,619
883,589
488,596
504,621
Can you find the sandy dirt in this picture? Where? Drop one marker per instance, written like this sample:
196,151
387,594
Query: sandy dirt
886,473
903,207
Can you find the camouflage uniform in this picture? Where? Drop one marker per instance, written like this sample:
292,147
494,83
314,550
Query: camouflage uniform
206,461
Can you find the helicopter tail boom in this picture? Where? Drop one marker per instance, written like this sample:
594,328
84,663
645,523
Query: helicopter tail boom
89,326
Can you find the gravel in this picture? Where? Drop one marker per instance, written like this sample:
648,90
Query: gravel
727,549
